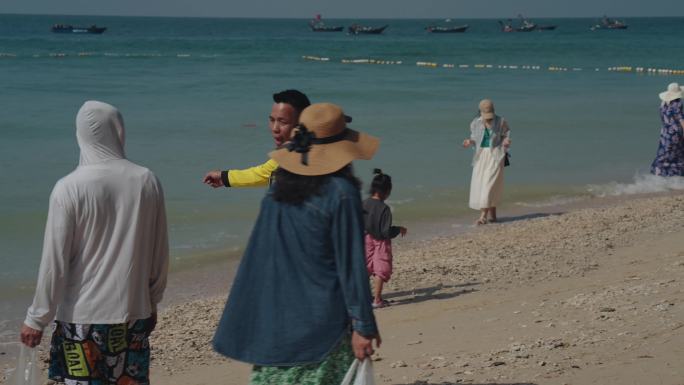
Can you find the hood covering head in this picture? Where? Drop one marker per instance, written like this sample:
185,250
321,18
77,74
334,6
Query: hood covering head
100,133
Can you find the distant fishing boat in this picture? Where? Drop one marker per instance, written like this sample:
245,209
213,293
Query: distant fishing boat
608,23
546,27
65,28
527,24
438,29
325,28
525,27
317,25
356,29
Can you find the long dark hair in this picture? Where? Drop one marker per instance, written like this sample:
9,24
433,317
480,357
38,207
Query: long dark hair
381,184
295,189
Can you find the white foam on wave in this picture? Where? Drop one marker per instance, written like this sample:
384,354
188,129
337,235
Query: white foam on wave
399,202
644,183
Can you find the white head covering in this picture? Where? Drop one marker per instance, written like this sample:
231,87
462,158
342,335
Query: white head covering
674,91
105,250
100,133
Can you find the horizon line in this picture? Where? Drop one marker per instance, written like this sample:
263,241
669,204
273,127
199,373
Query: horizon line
341,18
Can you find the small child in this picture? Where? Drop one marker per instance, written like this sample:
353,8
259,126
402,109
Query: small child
379,233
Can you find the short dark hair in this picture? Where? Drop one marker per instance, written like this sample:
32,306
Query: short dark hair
381,184
295,98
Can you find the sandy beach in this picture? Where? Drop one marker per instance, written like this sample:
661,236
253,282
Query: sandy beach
592,295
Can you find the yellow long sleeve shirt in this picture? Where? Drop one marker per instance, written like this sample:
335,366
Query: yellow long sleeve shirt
256,176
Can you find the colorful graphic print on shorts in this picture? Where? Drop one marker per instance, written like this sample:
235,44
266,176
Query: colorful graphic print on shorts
118,354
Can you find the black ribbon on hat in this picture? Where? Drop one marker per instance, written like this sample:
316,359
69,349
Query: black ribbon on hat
303,139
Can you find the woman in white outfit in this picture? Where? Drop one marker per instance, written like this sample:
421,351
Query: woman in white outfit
490,135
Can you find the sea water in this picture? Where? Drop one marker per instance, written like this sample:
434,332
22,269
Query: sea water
195,95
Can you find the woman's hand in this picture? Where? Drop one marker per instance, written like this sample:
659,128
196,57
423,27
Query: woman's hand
507,142
467,143
402,231
363,346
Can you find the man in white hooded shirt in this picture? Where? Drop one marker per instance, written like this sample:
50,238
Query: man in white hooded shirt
104,263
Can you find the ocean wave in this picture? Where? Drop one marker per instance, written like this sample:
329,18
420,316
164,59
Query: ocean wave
643,183
399,202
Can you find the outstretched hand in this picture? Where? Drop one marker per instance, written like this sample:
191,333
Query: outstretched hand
213,179
467,143
363,346
30,336
402,231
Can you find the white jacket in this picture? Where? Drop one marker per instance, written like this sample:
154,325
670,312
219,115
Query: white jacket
105,253
499,132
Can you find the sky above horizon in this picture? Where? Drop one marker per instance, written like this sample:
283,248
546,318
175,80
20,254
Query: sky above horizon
350,8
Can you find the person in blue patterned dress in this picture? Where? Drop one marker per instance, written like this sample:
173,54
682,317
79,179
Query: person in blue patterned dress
669,160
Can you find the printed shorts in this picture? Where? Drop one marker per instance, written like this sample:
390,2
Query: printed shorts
107,354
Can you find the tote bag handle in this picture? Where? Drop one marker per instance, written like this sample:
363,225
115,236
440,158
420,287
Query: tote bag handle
363,371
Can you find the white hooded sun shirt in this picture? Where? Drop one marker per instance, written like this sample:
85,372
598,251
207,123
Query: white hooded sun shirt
105,253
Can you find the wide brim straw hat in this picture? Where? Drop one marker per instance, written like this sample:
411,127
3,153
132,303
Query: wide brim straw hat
674,91
322,143
487,109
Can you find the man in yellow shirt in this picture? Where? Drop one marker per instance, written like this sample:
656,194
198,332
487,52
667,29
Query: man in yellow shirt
287,105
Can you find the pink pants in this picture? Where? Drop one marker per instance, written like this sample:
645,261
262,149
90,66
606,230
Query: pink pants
379,257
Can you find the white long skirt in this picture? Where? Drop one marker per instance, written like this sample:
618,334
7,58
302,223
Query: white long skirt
486,184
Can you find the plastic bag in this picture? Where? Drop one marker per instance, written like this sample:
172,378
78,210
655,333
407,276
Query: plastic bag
27,371
363,371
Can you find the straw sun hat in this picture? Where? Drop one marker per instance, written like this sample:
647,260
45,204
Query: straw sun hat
674,91
487,109
322,144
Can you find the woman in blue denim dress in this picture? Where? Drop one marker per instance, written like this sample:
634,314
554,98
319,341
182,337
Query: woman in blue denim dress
300,307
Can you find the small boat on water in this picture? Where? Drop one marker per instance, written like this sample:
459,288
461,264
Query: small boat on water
506,27
317,25
608,23
524,27
66,28
546,27
356,29
438,29
325,28
526,23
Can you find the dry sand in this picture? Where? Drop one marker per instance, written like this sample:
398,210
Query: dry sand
592,296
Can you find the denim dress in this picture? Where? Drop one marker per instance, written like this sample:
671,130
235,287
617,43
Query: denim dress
302,282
